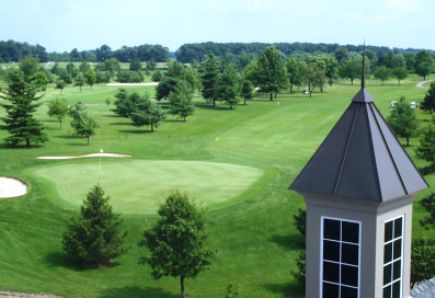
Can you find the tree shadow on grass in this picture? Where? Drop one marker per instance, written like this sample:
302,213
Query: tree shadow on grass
285,290
61,259
207,106
136,292
174,120
294,241
136,131
120,123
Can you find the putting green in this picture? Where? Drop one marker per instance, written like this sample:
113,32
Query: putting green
140,186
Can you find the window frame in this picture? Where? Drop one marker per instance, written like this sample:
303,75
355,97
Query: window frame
322,220
402,238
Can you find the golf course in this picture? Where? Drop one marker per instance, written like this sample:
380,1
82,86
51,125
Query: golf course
235,164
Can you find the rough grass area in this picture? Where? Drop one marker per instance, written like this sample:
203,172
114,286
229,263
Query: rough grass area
140,186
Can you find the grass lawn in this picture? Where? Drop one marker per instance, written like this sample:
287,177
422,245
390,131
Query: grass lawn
241,180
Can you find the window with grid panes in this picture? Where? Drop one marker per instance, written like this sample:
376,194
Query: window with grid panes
393,258
340,258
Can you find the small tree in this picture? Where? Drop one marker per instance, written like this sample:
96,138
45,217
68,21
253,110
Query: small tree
422,261
94,238
58,108
428,103
177,241
135,65
83,125
210,69
60,84
300,219
382,74
90,77
227,86
400,73
247,91
79,81
157,76
403,120
426,149
423,64
299,274
20,121
181,101
428,203
147,113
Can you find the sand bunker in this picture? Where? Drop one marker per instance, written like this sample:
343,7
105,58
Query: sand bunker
24,295
116,155
147,84
10,188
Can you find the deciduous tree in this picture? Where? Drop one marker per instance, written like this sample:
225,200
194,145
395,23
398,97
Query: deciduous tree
423,64
177,241
247,90
272,74
403,120
58,108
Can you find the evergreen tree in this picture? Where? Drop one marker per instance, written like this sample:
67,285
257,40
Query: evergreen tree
422,261
181,101
58,108
20,121
228,86
247,90
428,103
426,149
147,113
95,238
403,120
428,202
300,219
210,70
177,241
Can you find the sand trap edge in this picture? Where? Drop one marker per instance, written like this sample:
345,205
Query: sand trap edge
22,182
105,155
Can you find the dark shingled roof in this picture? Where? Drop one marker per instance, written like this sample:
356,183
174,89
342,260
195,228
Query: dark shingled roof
360,159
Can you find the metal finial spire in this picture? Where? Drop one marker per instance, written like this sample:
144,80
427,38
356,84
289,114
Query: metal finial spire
363,70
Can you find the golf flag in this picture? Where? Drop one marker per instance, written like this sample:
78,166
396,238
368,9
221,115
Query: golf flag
101,150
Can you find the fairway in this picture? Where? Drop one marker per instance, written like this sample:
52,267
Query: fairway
140,186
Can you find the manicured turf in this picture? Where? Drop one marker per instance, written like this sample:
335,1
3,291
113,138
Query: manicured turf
253,233
140,186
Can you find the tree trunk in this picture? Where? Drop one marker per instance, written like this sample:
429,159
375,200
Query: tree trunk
231,106
271,96
152,127
276,94
309,89
291,88
60,123
182,294
244,101
27,142
80,88
214,103
351,81
89,140
407,142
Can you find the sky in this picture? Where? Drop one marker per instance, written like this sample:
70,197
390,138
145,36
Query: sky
61,25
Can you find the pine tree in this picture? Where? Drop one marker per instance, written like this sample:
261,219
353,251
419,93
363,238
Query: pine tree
428,103
228,85
147,113
19,121
180,101
94,238
426,149
209,78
